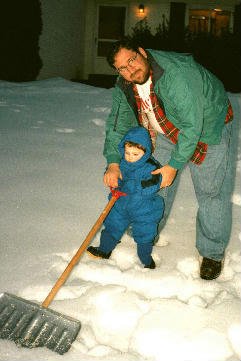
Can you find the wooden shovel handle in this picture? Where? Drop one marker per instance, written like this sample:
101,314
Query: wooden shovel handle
80,251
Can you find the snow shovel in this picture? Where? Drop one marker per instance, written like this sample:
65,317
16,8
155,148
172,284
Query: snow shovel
32,325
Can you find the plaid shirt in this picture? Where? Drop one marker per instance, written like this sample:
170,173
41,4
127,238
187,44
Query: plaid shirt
168,128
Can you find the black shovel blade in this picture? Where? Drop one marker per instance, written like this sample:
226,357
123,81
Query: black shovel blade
31,325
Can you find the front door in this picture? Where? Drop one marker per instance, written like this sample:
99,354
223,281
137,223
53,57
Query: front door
111,26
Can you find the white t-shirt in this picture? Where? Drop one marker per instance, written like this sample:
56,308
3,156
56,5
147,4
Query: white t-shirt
147,112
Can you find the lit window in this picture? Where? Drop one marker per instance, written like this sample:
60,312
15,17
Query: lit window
214,21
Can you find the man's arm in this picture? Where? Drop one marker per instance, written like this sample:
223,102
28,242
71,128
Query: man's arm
120,120
186,105
168,175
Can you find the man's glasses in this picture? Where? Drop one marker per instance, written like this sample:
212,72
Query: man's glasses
130,62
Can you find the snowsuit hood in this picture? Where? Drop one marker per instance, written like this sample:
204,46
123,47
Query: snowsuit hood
138,135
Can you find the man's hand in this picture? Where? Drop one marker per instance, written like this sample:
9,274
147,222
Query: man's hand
112,174
168,175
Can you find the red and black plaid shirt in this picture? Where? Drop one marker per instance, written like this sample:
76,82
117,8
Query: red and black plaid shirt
168,128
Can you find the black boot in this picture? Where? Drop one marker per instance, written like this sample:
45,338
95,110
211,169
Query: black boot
210,269
96,253
152,265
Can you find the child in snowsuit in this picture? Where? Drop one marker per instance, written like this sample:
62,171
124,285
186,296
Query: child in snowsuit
142,207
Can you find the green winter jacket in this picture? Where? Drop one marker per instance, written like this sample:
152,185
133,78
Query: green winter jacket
193,99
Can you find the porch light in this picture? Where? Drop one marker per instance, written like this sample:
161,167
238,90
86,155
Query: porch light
141,9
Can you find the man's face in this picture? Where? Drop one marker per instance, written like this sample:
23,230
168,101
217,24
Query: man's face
132,66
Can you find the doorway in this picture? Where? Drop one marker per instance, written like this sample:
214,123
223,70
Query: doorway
111,26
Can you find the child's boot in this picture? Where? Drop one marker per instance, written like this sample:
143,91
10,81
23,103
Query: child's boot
107,245
93,251
144,253
152,265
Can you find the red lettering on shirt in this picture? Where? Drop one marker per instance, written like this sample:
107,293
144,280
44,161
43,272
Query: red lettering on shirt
146,104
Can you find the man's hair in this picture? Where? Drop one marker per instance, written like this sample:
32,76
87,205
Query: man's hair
136,145
126,43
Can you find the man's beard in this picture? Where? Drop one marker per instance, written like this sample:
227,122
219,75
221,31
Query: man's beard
144,79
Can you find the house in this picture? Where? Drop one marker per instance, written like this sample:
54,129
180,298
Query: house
76,34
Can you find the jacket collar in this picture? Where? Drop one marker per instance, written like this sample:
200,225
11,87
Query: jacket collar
157,69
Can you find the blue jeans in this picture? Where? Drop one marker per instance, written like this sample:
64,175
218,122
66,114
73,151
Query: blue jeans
213,183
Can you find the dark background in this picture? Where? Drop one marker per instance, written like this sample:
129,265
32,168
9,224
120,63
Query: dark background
21,26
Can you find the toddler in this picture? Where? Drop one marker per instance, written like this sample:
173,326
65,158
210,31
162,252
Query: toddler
142,207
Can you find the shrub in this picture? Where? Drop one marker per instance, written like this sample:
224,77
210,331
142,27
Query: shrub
20,28
219,54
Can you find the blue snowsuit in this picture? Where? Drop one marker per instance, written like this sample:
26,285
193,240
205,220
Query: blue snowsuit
142,207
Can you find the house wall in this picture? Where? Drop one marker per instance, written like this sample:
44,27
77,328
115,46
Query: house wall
69,33
92,64
154,12
61,46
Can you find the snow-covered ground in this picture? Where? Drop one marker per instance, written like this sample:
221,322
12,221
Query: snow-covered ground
51,141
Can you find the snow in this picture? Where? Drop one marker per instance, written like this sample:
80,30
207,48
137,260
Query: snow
52,192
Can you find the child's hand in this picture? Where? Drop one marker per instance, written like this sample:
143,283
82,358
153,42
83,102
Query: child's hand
168,175
112,174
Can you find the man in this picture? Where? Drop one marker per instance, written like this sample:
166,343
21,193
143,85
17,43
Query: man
188,115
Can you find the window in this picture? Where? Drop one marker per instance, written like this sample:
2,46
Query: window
219,21
214,21
111,27
198,21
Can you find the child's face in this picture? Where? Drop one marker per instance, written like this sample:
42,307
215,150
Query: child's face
133,154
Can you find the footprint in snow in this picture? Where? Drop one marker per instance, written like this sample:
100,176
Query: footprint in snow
65,130
98,122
